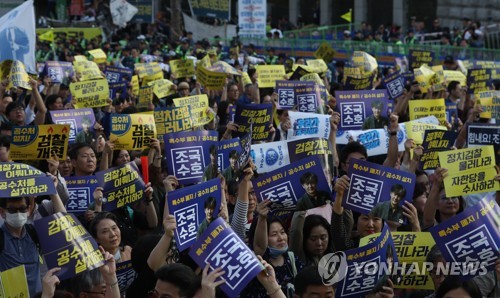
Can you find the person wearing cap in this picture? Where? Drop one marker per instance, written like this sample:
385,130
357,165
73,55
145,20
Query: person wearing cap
376,120
17,114
347,35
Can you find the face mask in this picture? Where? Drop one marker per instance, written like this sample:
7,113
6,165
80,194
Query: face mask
16,220
276,252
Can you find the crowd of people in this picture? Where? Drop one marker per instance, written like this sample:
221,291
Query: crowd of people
290,250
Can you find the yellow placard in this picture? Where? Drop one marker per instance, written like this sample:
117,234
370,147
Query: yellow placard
267,75
72,32
18,76
145,96
151,78
325,52
210,80
135,85
98,55
173,119
198,107
90,94
182,68
411,247
317,65
147,69
467,159
425,77
224,67
437,82
416,130
132,132
39,142
87,70
471,182
314,77
246,79
364,61
487,101
204,62
162,88
455,75
79,58
14,283
425,107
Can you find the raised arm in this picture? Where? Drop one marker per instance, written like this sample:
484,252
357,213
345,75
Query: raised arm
392,151
432,202
260,237
334,121
240,218
41,108
158,256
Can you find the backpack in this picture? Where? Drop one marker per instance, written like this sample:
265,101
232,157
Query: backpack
30,229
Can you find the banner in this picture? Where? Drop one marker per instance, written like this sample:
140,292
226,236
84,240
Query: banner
210,80
14,283
378,190
308,125
418,58
376,141
299,186
67,244
81,193
252,17
425,107
182,68
411,248
17,31
39,142
81,122
198,107
362,109
470,240
267,75
91,94
188,154
219,9
58,71
117,74
227,150
122,186
132,132
72,33
483,134
125,274
368,267
220,247
435,141
21,180
395,84
257,116
478,80
325,52
470,171
191,206
172,119
270,156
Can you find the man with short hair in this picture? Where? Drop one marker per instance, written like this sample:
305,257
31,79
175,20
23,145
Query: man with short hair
308,283
175,281
454,104
84,160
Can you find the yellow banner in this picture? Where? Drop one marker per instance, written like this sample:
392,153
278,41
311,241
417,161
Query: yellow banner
39,142
210,80
325,52
173,119
317,65
145,96
132,132
90,94
411,247
198,107
18,76
13,283
182,68
267,75
135,85
98,55
72,33
471,182
147,69
87,70
416,130
467,159
455,75
425,107
162,88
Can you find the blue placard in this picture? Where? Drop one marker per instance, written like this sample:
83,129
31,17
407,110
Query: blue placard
21,180
224,150
81,193
357,109
259,116
471,238
478,80
187,206
59,72
188,154
308,97
122,186
81,123
118,74
284,189
220,247
125,274
371,190
395,84
434,141
482,134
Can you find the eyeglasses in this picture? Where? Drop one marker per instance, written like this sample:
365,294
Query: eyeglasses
13,210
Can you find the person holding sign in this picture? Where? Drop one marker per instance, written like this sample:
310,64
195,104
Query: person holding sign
20,116
105,230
